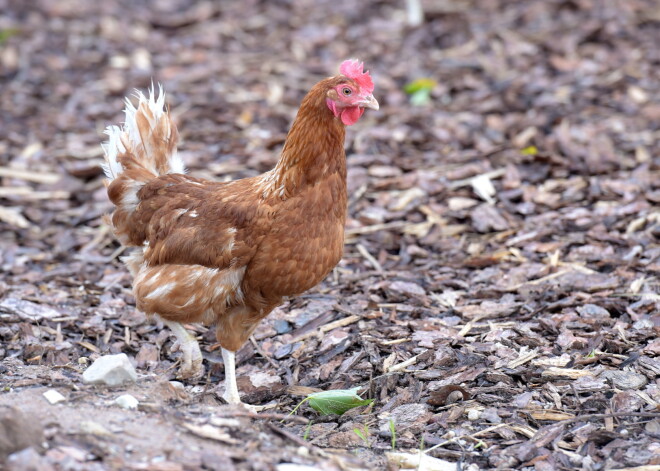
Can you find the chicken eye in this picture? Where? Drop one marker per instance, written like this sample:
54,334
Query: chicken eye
346,91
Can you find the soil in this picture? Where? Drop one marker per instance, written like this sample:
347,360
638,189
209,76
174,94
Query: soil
498,298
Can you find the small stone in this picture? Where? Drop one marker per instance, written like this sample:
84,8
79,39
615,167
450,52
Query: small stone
593,311
126,401
54,397
111,370
474,414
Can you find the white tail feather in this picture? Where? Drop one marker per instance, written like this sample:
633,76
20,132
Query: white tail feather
129,135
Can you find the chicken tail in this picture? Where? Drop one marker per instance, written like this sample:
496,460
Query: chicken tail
147,140
143,149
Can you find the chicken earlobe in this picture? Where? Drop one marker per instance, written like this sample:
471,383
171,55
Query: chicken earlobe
191,366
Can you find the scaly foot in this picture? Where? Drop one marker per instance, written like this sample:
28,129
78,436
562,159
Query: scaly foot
235,400
191,363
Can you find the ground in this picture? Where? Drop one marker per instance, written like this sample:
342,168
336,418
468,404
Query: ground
498,297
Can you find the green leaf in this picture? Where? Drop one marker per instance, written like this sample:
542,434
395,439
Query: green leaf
307,430
393,433
363,434
336,401
419,84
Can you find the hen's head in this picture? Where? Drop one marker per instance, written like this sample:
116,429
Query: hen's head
351,92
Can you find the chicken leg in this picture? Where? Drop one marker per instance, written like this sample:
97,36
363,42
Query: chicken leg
231,389
192,356
192,362
231,395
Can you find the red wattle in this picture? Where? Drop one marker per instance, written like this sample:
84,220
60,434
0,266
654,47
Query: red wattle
350,116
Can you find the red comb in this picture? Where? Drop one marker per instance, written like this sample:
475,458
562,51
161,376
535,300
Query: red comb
353,69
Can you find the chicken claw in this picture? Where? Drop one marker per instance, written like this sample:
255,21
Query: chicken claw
191,367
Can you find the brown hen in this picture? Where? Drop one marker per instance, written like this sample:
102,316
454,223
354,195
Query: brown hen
226,254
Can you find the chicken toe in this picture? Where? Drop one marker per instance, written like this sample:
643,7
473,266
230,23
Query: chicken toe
191,366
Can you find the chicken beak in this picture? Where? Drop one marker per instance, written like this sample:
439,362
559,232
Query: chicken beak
369,102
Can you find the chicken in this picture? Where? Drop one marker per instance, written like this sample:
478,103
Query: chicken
226,254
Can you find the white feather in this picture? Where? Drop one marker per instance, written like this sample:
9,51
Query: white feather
161,291
176,163
112,167
155,102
